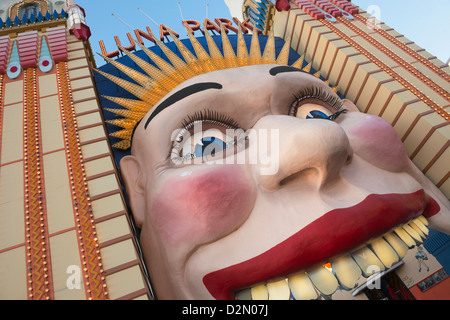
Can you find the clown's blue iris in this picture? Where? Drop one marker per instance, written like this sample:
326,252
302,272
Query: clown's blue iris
209,146
316,114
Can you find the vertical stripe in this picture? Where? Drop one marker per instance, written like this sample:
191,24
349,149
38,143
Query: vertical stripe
95,284
36,232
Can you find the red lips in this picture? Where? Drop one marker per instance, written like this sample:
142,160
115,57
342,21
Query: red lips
336,232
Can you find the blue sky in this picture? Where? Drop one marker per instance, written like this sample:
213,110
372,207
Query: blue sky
424,22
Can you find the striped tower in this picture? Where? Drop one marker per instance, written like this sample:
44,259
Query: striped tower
64,228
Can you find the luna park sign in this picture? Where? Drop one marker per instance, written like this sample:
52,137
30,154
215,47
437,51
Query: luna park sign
190,25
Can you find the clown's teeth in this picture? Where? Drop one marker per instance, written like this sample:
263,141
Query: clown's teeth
323,280
402,234
384,252
423,220
260,292
378,255
397,244
413,233
421,226
417,229
346,271
301,287
367,261
278,290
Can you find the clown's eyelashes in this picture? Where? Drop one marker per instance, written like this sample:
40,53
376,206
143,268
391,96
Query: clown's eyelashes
315,103
206,135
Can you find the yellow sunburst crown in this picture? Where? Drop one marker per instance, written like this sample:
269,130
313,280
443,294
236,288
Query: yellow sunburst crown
157,82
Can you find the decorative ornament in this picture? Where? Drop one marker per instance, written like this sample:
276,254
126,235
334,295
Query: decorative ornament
45,60
14,67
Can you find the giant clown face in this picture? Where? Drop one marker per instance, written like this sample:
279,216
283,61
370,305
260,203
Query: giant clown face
324,184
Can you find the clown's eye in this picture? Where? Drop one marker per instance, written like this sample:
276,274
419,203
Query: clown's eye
201,143
316,103
209,146
203,140
312,111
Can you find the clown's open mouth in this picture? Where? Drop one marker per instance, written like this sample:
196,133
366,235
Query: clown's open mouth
365,238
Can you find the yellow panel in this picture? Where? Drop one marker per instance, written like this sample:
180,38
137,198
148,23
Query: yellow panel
78,73
370,89
66,267
102,185
58,196
395,105
12,134
340,63
98,166
440,168
407,118
47,85
94,149
51,126
76,54
77,45
86,106
91,133
13,92
382,96
77,63
421,130
88,119
12,228
108,205
81,83
112,228
349,70
437,140
279,23
83,94
328,59
117,254
125,282
13,274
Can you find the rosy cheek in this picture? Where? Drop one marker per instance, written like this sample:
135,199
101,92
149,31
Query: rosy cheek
203,206
375,140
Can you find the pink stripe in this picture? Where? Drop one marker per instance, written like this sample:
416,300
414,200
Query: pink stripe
28,49
57,42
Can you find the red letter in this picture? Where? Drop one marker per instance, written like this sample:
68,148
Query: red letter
227,24
147,35
106,54
209,25
195,25
164,31
129,48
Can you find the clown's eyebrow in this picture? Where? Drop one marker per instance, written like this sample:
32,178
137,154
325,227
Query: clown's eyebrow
280,69
183,93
